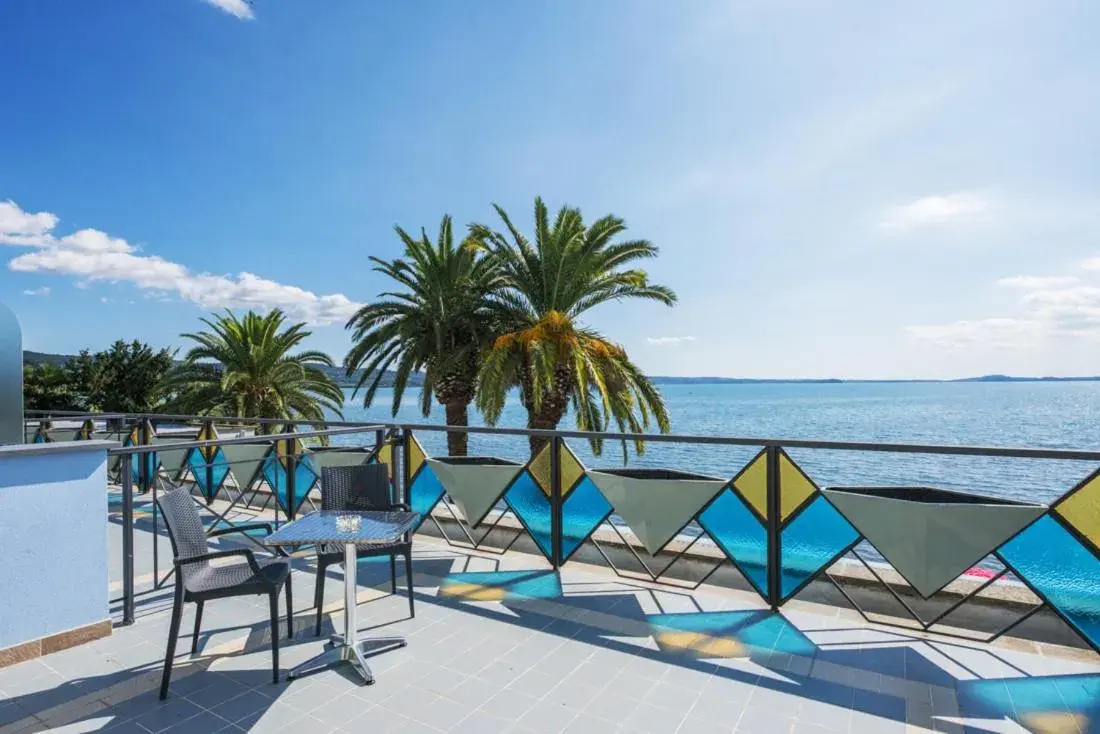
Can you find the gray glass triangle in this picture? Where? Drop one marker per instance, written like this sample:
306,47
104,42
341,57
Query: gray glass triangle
244,461
932,543
172,460
358,457
655,509
475,488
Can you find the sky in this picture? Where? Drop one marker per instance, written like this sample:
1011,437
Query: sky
867,189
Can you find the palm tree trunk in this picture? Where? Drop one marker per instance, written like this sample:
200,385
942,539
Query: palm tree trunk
458,414
551,408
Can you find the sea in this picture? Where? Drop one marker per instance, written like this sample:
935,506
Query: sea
1023,414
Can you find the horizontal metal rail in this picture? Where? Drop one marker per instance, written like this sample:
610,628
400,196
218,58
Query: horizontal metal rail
258,438
1018,452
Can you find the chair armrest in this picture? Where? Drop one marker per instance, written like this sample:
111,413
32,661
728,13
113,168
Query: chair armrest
401,506
242,528
180,562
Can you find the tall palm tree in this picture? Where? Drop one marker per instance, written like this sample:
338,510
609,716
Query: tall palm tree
255,375
543,348
436,325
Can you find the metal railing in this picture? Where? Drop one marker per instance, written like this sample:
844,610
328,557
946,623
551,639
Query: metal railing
782,503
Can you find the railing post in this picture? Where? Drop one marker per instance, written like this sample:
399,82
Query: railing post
774,535
128,544
555,502
207,460
144,439
291,470
401,471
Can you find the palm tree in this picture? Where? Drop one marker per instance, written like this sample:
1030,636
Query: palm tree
543,349
437,325
254,375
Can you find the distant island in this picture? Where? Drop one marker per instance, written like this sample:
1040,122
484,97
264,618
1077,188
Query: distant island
35,358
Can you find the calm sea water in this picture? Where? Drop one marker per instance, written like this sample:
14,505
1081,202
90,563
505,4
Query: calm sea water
1049,415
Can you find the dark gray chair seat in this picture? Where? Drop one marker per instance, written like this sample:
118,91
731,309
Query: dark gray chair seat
210,581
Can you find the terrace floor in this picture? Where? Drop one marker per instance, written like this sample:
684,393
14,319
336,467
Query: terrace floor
517,648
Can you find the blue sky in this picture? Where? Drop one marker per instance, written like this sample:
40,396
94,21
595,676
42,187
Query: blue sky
864,189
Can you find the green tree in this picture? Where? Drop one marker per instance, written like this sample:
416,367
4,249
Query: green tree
245,367
49,387
126,378
438,325
543,347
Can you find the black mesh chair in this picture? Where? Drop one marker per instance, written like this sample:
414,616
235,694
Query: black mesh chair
198,580
365,487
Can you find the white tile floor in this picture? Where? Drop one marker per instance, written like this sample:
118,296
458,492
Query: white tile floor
587,659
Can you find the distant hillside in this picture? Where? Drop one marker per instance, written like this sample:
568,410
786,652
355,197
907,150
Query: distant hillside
36,358
337,373
33,359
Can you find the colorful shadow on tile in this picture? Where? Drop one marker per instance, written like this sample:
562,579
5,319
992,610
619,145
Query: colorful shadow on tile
728,634
501,585
1060,703
1062,570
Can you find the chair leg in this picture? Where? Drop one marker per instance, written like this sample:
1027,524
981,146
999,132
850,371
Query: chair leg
173,634
319,596
274,596
393,574
409,578
198,627
289,609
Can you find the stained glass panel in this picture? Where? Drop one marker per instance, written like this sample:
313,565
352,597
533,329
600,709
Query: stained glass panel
742,537
1060,568
811,542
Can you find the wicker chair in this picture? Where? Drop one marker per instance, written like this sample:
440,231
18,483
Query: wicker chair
365,487
198,580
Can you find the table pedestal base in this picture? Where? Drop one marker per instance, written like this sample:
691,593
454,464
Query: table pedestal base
337,649
336,652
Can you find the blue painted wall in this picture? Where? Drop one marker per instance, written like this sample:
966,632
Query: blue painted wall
11,378
53,541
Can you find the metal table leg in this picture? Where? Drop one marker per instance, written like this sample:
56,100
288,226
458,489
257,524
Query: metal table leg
337,649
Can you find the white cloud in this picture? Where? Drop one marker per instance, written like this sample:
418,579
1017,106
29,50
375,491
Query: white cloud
239,8
43,291
21,228
1093,263
92,255
1038,282
932,210
997,333
664,341
1054,308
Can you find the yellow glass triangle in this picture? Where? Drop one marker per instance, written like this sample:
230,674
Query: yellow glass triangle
1082,510
794,487
208,433
752,484
385,456
570,469
540,469
416,456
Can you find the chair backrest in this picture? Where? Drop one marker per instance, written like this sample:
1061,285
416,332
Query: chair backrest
185,528
364,487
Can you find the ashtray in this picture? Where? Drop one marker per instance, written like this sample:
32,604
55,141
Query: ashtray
348,523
